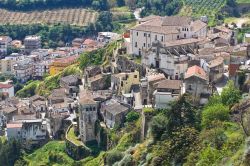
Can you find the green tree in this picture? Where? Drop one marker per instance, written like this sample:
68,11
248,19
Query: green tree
182,113
175,149
132,116
209,156
217,112
230,94
159,125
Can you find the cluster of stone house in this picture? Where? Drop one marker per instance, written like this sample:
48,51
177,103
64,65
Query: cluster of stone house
36,119
182,55
33,62
179,56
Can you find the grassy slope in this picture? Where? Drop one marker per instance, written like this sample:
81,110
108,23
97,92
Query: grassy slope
52,82
41,156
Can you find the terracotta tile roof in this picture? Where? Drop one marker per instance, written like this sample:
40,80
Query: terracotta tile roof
90,42
223,29
8,110
116,108
197,72
216,62
86,97
176,21
156,29
149,18
155,77
38,103
5,86
182,42
69,59
198,25
14,125
169,84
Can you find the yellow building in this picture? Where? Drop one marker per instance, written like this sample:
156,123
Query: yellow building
60,64
123,82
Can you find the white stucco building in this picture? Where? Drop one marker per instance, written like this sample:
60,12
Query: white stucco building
171,57
24,70
5,41
42,68
165,29
27,130
166,92
7,88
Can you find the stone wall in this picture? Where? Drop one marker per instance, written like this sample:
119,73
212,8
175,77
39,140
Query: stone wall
77,152
124,64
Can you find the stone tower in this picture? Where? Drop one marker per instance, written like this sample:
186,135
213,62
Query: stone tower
87,118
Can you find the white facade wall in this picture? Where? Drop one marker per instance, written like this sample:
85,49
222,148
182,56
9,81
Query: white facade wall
10,91
202,32
110,123
41,69
24,73
13,133
162,99
186,32
144,39
34,132
4,45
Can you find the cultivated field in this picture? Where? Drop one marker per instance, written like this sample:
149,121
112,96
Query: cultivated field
199,8
80,17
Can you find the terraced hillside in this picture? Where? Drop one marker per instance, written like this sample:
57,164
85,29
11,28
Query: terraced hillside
80,17
199,8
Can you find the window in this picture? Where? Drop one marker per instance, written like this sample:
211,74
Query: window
135,44
122,84
190,87
178,37
155,37
148,35
145,34
148,45
185,35
135,76
144,45
136,33
162,38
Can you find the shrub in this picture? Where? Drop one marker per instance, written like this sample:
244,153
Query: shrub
132,116
217,112
113,156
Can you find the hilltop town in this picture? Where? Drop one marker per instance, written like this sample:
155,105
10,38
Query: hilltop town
164,89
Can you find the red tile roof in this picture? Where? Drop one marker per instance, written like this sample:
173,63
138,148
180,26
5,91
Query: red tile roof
14,125
5,86
67,59
89,42
196,71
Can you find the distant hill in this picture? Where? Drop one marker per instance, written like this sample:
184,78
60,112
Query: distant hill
78,16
